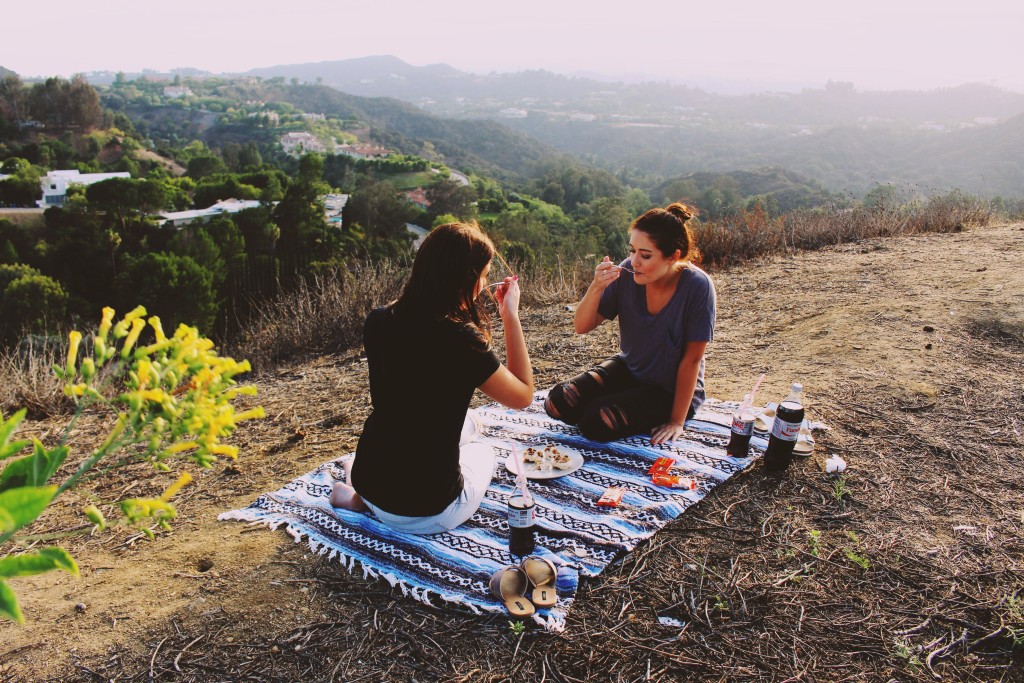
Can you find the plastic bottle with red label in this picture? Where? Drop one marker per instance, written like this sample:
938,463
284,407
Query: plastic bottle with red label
785,430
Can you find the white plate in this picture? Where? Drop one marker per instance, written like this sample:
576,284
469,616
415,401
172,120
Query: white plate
530,468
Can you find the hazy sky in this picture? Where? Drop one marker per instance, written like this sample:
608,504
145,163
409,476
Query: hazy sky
876,44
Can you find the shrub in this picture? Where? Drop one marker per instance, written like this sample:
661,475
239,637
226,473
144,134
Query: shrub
172,400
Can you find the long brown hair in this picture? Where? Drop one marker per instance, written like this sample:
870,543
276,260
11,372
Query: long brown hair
669,229
444,274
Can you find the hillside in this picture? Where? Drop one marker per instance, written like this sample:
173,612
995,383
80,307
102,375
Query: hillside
481,146
835,104
778,190
910,565
847,139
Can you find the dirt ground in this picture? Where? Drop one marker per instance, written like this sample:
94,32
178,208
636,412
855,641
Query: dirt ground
911,567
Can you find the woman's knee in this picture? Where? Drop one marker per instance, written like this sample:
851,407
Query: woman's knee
565,401
561,402
604,423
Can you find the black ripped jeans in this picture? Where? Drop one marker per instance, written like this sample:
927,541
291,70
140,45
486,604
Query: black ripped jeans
608,403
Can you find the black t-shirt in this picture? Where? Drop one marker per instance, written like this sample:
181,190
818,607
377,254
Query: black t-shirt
422,377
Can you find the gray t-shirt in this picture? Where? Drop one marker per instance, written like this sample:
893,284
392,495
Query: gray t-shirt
652,345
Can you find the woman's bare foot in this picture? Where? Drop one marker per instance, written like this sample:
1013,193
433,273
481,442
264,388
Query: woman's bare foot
345,497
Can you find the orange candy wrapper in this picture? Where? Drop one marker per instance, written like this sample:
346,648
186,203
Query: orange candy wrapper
673,481
611,497
662,465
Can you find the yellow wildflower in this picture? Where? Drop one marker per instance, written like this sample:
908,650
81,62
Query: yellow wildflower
108,318
121,328
250,414
88,369
184,479
74,339
223,449
133,337
158,329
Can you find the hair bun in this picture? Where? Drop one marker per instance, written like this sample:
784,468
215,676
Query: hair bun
681,211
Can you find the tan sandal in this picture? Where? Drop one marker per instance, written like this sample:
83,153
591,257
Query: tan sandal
542,575
509,585
764,420
804,441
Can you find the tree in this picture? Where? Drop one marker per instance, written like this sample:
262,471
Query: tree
31,303
128,198
196,243
249,156
205,165
13,103
378,209
300,213
175,287
20,190
211,190
8,254
448,196
258,230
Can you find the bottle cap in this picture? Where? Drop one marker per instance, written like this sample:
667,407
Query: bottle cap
797,386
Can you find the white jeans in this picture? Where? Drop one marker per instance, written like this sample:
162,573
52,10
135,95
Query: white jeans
477,462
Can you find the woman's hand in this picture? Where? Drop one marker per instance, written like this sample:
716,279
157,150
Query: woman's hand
507,293
670,431
605,273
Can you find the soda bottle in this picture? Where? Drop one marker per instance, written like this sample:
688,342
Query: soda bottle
742,429
521,519
788,418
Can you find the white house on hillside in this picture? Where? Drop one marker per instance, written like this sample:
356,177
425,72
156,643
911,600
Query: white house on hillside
299,143
176,91
176,219
363,150
55,184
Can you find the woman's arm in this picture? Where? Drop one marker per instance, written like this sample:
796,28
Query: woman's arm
587,317
686,383
511,386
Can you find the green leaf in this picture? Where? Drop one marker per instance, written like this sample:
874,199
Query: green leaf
9,604
33,470
62,559
6,521
24,504
39,562
9,449
8,427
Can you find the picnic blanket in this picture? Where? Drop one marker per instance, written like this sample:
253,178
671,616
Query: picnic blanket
572,531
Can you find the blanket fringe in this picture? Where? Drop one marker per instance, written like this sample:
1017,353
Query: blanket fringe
555,622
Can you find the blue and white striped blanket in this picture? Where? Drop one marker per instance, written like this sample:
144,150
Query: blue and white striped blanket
574,533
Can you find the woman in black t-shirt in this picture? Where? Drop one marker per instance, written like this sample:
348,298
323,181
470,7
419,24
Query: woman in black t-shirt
427,353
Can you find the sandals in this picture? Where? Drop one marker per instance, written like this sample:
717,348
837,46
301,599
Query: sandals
509,585
804,441
535,573
765,418
542,574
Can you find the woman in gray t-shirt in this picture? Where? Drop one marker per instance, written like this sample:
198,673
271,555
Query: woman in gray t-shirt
666,310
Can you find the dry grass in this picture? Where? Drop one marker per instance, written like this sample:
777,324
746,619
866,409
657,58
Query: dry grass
752,234
27,381
324,313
